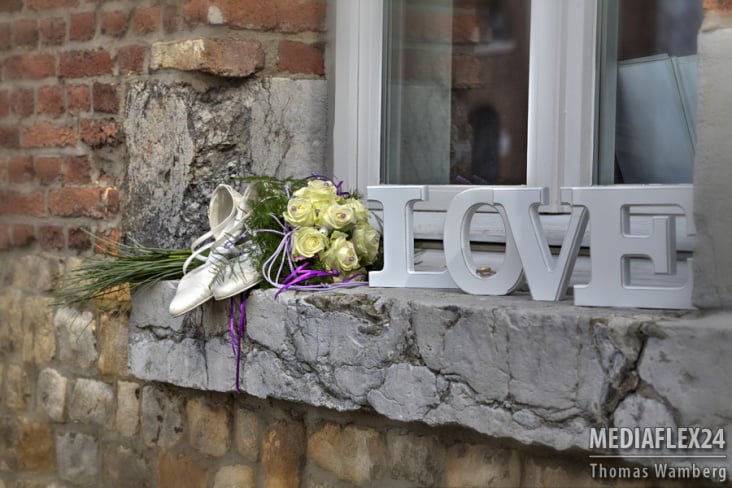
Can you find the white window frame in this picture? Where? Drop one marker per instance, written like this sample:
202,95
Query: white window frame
562,117
561,68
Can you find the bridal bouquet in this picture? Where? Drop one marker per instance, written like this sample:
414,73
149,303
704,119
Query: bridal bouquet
310,234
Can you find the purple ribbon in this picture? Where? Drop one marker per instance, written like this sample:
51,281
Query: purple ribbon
301,274
236,337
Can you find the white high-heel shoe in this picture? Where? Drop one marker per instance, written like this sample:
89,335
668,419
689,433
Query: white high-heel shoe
227,270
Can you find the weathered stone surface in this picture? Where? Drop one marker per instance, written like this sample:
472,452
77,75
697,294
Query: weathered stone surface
246,434
11,316
17,388
209,427
354,454
35,450
113,344
186,362
468,466
415,384
162,417
76,341
283,453
415,458
223,57
712,173
34,272
91,402
78,457
127,416
193,140
237,476
38,319
125,467
541,473
177,471
51,393
503,366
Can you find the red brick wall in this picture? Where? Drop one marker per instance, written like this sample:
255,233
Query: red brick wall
64,65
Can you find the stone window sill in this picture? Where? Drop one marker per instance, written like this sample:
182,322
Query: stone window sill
536,372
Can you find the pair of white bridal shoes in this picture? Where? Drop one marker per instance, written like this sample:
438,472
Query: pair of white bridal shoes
227,269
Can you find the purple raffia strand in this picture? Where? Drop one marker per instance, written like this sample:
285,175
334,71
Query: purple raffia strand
301,273
237,335
242,330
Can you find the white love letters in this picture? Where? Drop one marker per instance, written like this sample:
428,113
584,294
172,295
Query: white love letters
606,209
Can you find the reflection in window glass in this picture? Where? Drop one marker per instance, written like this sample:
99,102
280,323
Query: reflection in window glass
455,91
655,99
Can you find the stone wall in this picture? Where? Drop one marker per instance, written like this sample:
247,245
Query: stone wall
73,414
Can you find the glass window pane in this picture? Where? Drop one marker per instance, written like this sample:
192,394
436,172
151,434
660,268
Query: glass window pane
653,109
455,91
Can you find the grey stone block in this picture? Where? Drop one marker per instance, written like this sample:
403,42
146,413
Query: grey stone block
540,373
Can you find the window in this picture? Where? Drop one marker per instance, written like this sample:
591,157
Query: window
563,60
648,91
455,100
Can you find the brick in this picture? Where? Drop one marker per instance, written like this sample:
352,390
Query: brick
298,57
77,170
6,31
105,241
78,98
53,31
171,19
47,169
9,137
465,28
21,102
223,57
82,26
3,170
79,240
27,204
11,5
283,16
23,234
48,4
51,238
50,100
20,169
115,23
32,66
100,132
195,11
4,242
105,98
96,203
46,135
466,71
146,19
131,59
75,64
25,33
722,7
4,103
